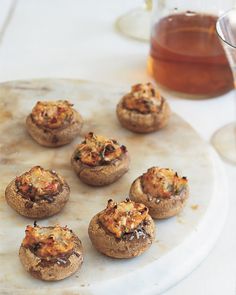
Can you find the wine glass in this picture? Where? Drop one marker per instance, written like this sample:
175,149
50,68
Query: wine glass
224,139
136,23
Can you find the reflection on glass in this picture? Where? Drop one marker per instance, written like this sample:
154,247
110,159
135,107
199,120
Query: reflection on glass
224,140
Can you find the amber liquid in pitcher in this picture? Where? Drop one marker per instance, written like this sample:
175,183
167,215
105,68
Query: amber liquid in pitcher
186,56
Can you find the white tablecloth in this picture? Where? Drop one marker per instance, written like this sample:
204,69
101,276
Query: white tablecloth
77,39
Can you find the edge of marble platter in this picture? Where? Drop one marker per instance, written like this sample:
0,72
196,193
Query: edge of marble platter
158,271
208,230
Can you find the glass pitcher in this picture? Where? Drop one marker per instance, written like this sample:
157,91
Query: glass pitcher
186,55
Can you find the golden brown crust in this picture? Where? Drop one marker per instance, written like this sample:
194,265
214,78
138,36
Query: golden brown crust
38,183
39,209
159,208
109,245
101,175
52,114
121,218
52,270
96,150
55,137
143,123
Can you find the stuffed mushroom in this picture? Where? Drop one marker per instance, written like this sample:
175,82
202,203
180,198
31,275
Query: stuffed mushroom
54,123
143,109
100,161
162,190
51,253
38,193
122,230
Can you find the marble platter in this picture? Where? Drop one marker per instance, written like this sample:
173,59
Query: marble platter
182,241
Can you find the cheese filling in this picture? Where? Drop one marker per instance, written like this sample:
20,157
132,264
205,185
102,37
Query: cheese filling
98,150
52,114
163,183
37,183
124,217
143,98
49,241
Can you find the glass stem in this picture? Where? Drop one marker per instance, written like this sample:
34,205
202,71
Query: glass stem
148,5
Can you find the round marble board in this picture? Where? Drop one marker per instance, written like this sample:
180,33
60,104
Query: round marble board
181,242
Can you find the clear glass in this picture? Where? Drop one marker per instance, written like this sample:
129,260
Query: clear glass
224,140
186,56
136,23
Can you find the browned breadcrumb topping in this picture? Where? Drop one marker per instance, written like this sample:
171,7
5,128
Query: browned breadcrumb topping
143,98
163,183
38,184
52,114
124,217
98,150
49,241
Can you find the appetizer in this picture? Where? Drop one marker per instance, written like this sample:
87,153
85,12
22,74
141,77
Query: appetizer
50,253
122,230
143,109
162,190
37,193
54,123
100,161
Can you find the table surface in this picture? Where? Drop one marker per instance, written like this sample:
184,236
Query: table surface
77,39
